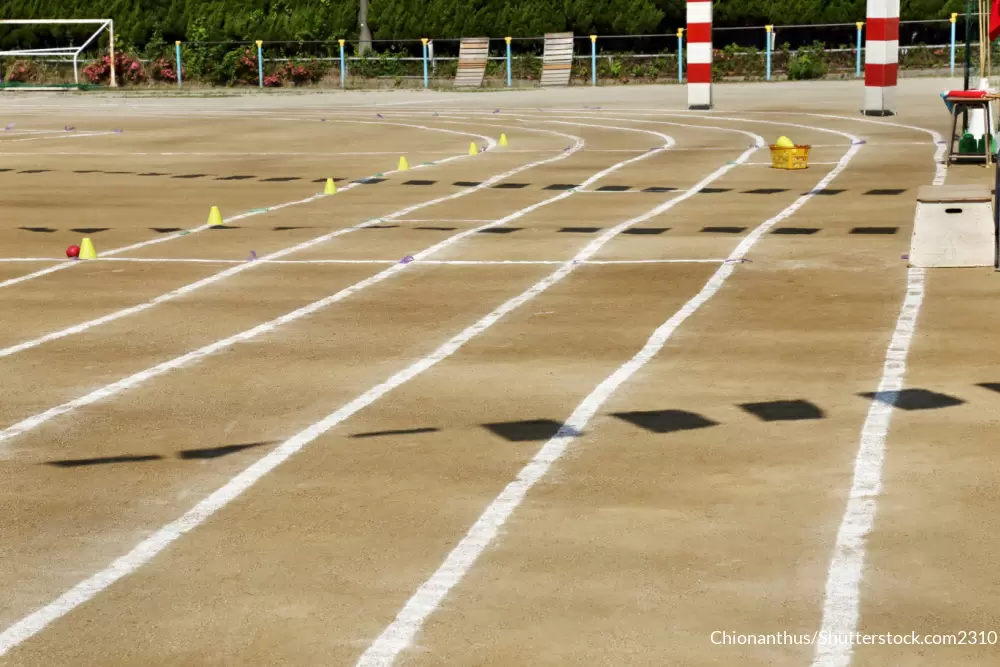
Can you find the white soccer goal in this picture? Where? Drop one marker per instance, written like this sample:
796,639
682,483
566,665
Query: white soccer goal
74,51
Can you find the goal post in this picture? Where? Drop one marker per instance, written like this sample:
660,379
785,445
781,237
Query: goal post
73,51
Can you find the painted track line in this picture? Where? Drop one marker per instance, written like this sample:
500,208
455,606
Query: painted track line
842,597
267,259
443,262
141,377
64,135
399,634
149,548
142,244
841,607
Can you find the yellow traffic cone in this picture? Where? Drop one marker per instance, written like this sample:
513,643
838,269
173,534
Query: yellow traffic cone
503,139
330,188
215,217
403,164
87,249
472,149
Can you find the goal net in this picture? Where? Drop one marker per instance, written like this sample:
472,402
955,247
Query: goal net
39,39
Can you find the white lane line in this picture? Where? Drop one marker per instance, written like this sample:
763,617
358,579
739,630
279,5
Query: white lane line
463,262
657,261
841,606
162,239
399,634
319,154
136,379
149,548
842,598
64,135
273,153
266,259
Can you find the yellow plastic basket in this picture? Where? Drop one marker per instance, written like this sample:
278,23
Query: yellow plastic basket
790,158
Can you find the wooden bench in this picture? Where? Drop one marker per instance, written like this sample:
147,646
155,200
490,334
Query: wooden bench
557,60
473,54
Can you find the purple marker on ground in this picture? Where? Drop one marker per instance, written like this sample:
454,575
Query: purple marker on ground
406,260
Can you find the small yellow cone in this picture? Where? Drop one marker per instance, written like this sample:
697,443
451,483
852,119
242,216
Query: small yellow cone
784,142
403,164
503,139
87,249
330,188
215,217
472,149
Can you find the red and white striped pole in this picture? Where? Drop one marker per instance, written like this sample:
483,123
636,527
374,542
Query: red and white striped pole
881,57
699,67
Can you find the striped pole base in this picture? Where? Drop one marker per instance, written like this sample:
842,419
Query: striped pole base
881,57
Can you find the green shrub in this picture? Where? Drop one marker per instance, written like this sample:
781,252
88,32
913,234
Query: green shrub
808,63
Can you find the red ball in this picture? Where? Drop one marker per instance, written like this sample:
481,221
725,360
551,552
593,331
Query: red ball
73,251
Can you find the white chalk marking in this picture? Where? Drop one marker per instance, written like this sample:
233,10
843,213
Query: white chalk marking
399,635
162,239
64,135
464,262
35,622
842,599
265,259
444,262
138,378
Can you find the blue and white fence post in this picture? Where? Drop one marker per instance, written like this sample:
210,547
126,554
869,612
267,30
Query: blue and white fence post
953,19
680,55
343,65
260,63
857,55
507,39
177,53
423,40
770,41
593,60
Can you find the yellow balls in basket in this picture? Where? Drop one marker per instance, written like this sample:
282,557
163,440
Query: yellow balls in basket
785,154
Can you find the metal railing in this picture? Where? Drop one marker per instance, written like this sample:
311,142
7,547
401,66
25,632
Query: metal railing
597,57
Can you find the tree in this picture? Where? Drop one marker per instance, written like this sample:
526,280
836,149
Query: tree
366,34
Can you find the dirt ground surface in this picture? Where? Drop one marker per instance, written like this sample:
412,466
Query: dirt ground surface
609,394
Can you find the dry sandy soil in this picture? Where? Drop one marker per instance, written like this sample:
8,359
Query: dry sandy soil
592,398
